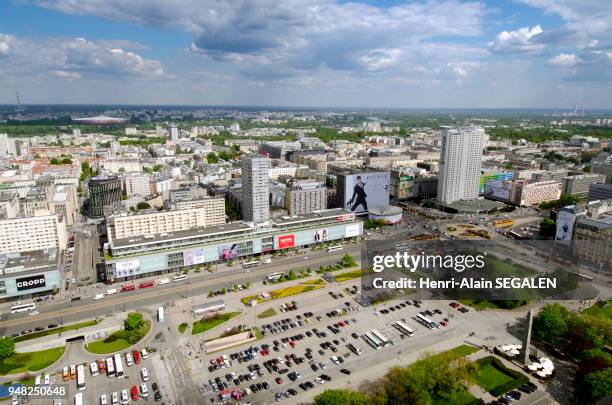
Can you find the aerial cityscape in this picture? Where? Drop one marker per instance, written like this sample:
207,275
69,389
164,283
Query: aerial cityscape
305,202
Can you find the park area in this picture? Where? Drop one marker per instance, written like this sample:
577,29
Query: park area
206,324
135,327
281,293
495,378
32,361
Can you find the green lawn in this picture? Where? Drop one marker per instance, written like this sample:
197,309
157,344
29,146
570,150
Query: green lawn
32,361
207,324
347,276
183,327
55,330
102,347
596,310
282,293
490,377
257,333
464,350
267,313
458,398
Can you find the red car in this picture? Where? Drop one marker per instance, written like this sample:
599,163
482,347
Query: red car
146,284
129,287
136,356
279,380
134,393
443,323
454,305
292,343
102,366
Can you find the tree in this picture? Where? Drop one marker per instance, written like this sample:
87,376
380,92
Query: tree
548,227
121,170
212,158
66,161
595,387
550,324
143,205
342,397
54,161
7,347
134,321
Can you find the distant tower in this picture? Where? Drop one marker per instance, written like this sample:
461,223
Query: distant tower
527,342
19,107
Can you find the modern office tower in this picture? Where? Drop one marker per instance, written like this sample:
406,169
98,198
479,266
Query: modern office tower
460,163
579,185
32,233
103,191
255,188
305,196
600,191
174,133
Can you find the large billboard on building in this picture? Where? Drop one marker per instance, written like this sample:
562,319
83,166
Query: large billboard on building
228,251
497,190
320,235
366,190
28,283
127,268
565,224
351,230
286,241
195,256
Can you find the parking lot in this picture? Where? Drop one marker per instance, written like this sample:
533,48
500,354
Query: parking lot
303,349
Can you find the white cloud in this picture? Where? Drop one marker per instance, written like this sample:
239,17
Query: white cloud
75,57
5,42
519,41
564,60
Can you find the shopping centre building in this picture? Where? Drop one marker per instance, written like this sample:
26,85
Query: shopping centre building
151,254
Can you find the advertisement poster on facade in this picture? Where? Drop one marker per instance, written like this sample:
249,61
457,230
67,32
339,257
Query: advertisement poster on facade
127,268
497,190
28,283
286,241
351,230
565,224
366,190
192,257
320,235
228,251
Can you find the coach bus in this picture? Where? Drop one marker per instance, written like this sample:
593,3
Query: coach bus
118,366
425,321
23,308
275,276
81,377
110,368
78,398
248,265
383,339
402,327
179,278
372,341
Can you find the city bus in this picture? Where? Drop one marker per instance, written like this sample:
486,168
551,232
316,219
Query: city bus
110,368
179,278
372,341
78,398
252,263
383,339
23,308
118,366
81,377
425,321
402,327
336,248
275,276
160,314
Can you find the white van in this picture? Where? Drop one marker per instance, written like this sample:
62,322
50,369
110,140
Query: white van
125,399
143,390
144,354
98,296
163,281
145,374
128,359
111,291
103,400
93,367
115,398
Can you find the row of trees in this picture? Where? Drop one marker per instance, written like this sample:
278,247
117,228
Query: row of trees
564,200
432,378
584,337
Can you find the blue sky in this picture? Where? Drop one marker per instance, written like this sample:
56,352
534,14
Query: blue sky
412,54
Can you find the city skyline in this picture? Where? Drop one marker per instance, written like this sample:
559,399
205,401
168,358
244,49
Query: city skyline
436,54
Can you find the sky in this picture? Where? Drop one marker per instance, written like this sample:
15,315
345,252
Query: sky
319,53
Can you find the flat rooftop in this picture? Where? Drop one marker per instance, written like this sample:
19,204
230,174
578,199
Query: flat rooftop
12,264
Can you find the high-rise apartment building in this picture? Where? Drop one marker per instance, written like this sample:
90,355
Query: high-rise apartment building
460,163
137,184
174,133
255,188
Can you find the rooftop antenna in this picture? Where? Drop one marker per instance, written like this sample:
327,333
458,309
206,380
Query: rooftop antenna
19,108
